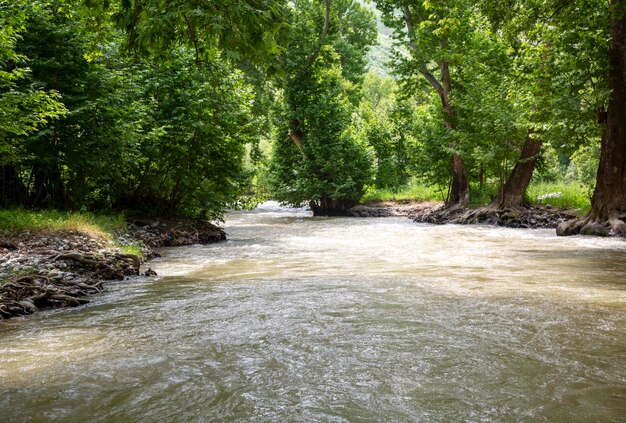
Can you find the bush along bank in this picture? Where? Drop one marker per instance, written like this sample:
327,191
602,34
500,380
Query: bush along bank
42,269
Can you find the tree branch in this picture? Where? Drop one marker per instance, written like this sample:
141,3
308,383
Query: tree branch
410,27
313,57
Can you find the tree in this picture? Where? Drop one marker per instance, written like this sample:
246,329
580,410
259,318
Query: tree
499,98
433,34
22,110
608,205
384,117
318,157
192,126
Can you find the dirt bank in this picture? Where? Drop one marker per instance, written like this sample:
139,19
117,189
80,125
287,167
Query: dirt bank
59,269
539,216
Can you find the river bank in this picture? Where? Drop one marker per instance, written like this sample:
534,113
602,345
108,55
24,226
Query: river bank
532,217
51,269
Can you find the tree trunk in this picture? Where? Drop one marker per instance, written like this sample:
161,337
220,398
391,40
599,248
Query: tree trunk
608,205
329,207
459,196
511,195
459,190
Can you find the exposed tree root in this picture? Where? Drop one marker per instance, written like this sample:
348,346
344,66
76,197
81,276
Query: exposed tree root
173,233
592,224
114,266
512,217
26,294
439,215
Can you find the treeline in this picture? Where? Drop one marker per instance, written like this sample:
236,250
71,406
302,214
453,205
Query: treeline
184,107
114,109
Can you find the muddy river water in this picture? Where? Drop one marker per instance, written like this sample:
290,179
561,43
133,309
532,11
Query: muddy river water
297,318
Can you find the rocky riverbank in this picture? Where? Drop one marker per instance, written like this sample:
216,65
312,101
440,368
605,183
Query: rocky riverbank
538,216
59,269
532,217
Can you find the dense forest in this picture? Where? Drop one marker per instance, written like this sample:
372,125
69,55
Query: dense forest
193,107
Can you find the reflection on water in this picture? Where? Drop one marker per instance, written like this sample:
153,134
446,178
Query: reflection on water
327,319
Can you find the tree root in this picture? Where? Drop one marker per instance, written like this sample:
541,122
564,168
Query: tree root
26,294
114,266
591,224
512,217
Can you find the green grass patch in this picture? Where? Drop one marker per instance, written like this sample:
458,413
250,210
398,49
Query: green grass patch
414,192
56,221
130,249
563,195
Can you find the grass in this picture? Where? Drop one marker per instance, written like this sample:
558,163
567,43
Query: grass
413,192
93,225
573,195
99,226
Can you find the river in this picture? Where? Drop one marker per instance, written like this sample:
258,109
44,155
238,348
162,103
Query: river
297,318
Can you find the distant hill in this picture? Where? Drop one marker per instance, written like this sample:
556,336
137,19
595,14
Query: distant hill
379,55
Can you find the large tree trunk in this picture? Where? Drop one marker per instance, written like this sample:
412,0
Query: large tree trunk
459,189
608,205
511,196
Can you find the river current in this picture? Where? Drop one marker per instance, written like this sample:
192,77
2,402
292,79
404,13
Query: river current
297,318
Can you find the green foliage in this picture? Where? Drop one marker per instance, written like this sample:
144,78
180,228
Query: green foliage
164,137
573,196
192,125
319,155
387,125
415,191
21,111
333,166
584,165
242,31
